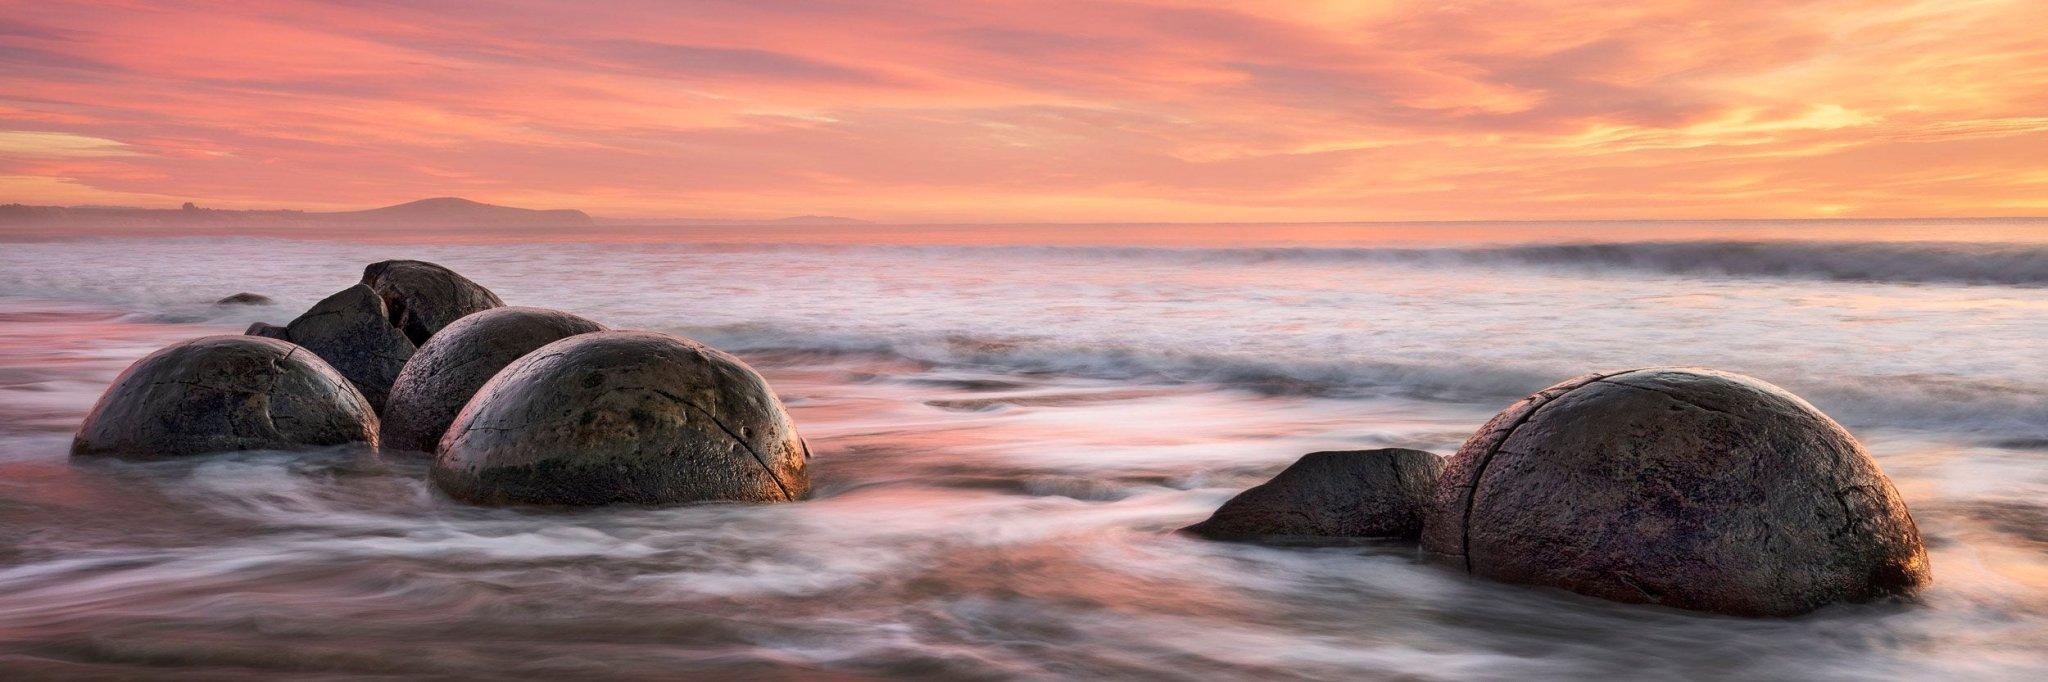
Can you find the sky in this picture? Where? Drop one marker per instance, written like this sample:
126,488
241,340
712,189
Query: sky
993,111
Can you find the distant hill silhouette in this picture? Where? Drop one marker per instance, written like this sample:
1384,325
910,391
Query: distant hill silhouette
437,212
457,211
792,220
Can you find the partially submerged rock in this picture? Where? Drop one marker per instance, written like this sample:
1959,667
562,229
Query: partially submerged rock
225,393
1689,488
623,417
422,298
246,298
350,331
268,331
1332,497
443,375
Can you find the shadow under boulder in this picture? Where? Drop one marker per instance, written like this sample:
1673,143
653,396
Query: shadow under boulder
1689,488
1332,498
623,417
221,394
443,375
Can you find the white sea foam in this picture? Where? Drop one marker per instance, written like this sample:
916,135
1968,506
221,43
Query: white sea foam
1006,437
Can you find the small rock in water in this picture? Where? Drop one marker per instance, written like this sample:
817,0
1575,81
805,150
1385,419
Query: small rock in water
246,298
443,375
422,298
350,331
225,393
623,417
1332,496
268,331
1690,488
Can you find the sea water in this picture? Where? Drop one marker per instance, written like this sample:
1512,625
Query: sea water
1008,423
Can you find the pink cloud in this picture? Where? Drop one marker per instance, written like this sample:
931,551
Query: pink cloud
1157,110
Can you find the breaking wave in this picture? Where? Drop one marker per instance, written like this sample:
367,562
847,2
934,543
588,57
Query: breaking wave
2005,410
1901,262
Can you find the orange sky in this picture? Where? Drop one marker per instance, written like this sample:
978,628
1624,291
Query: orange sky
948,110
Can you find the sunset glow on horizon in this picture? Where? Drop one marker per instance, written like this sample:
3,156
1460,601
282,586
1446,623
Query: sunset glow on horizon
1146,110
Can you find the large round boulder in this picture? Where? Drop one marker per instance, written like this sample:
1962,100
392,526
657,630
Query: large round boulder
423,297
623,417
1690,488
225,393
350,332
441,377
1332,497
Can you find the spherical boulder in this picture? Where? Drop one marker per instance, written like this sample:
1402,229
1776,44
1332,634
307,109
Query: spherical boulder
448,370
225,393
623,417
350,332
1684,487
423,297
1332,497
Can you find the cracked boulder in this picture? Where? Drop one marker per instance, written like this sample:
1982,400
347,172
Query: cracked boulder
450,367
1689,488
421,298
225,393
623,417
349,330
1332,497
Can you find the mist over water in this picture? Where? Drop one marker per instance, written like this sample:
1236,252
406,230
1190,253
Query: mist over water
1005,433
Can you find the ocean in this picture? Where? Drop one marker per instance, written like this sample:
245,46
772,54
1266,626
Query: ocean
1008,423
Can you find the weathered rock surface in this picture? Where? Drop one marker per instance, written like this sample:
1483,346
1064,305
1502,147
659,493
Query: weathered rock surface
1684,487
246,298
446,371
1332,496
268,331
623,417
422,298
350,331
225,393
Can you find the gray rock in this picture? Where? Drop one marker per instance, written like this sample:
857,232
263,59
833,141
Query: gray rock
422,298
225,393
449,368
268,331
623,417
1690,488
1332,496
246,298
350,332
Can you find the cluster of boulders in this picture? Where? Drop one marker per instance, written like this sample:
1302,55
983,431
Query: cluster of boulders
1684,487
1689,488
515,404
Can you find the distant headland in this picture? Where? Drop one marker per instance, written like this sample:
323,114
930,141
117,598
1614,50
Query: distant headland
440,212
436,212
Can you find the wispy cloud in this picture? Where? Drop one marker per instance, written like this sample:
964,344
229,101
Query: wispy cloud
1051,109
